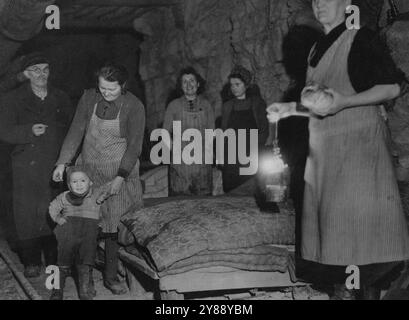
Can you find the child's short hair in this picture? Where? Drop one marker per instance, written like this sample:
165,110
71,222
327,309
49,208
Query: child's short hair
77,168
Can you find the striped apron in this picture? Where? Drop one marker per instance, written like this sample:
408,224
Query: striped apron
352,208
194,179
102,152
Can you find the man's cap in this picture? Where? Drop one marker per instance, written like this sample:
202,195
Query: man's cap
33,59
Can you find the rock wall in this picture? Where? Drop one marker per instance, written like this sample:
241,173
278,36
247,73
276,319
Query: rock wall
162,56
397,39
217,34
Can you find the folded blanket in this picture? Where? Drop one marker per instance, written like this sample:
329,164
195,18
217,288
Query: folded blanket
262,258
178,230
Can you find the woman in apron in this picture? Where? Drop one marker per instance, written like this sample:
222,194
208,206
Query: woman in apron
246,110
352,213
112,122
192,111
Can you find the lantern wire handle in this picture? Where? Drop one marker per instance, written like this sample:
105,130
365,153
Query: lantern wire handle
275,142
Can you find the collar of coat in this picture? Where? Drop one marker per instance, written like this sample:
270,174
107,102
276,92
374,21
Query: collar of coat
30,98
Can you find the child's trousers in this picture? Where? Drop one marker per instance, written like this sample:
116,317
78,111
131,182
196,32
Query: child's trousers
77,241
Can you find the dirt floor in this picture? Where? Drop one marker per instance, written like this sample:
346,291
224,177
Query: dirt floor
71,293
11,289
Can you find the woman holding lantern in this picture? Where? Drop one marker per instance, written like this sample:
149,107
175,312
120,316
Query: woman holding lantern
352,213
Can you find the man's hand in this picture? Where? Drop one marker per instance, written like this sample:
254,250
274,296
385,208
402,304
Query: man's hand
59,173
39,129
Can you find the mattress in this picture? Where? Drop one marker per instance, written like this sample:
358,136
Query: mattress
182,234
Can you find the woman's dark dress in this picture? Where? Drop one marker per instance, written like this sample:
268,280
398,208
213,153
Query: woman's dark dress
242,114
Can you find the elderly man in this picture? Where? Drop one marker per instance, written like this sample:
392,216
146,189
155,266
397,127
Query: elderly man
34,118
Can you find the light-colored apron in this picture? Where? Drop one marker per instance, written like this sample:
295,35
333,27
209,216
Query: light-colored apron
102,152
195,179
352,211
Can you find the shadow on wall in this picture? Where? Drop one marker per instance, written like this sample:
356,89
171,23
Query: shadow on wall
293,132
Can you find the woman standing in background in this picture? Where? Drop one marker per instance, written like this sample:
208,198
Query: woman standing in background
246,110
194,112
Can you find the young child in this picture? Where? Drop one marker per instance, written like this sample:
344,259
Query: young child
77,214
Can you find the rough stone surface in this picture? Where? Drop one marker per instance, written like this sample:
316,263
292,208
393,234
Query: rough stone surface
217,35
397,39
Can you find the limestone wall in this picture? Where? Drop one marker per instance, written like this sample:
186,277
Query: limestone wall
217,34
397,39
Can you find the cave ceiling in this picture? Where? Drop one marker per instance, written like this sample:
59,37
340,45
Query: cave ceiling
112,14
120,14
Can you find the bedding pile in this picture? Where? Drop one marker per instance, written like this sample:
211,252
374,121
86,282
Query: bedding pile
183,235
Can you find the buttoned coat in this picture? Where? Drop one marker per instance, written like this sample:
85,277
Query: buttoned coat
33,158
